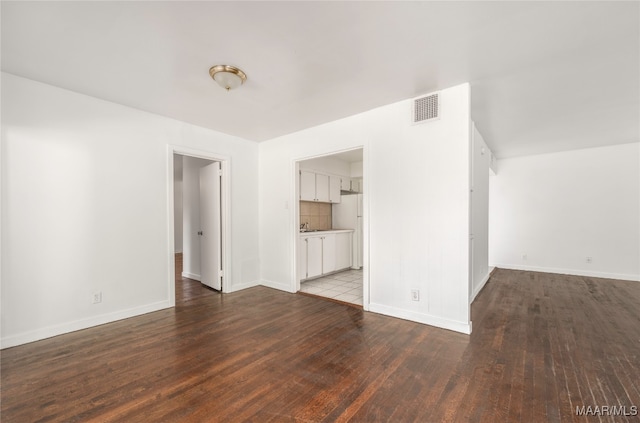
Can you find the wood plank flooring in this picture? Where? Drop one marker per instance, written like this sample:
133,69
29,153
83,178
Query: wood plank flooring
542,344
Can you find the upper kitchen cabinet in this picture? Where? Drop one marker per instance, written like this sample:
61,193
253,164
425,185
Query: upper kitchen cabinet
319,187
356,185
334,189
353,185
322,188
307,186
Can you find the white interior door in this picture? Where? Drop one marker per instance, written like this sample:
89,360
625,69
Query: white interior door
210,226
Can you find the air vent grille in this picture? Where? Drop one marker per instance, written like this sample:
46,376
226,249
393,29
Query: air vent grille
426,108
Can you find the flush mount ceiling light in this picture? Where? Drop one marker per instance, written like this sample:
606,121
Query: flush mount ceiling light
228,77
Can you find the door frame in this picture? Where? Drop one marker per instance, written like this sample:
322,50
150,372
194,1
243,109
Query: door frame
295,226
225,209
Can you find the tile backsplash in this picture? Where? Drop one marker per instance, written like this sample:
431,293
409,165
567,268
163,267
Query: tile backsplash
317,214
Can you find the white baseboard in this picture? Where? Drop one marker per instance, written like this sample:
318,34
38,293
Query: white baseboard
277,285
574,272
55,330
241,286
427,319
478,288
192,276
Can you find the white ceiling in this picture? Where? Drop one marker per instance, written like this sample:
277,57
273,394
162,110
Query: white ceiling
545,76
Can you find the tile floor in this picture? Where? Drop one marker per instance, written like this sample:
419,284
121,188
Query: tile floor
343,286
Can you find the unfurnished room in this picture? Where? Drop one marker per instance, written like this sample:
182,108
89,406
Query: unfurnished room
323,211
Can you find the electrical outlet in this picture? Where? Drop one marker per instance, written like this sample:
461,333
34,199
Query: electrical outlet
415,295
589,260
97,297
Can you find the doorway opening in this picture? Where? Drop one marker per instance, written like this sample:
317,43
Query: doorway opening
329,226
198,208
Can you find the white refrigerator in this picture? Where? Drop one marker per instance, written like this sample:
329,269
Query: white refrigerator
347,214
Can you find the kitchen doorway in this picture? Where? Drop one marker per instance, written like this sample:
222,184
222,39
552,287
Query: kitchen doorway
330,237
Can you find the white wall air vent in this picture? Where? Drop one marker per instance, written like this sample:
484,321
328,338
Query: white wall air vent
426,108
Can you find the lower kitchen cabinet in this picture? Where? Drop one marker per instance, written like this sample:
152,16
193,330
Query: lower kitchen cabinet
323,253
328,253
314,256
343,250
302,259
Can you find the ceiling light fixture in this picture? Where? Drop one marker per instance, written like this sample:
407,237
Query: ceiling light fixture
228,77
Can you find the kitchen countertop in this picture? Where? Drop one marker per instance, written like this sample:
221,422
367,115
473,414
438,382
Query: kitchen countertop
325,231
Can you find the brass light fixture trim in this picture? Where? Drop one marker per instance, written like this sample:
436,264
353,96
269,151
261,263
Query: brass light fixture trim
228,77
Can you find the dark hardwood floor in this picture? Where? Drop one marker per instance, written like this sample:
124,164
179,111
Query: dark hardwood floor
542,344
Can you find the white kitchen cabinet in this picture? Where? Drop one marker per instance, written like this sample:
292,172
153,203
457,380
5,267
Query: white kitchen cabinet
314,256
319,187
328,253
307,186
334,189
356,185
324,252
302,259
345,184
322,188
343,250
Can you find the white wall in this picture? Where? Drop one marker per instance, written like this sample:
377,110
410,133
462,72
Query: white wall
416,207
330,165
191,213
561,208
177,202
356,170
481,160
85,209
